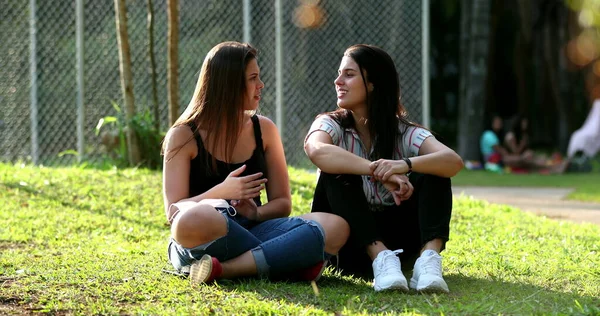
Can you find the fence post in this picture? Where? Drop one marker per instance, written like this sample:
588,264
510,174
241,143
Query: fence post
425,62
33,105
80,85
247,22
278,70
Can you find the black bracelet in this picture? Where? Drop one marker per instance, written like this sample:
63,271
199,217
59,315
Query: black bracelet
409,164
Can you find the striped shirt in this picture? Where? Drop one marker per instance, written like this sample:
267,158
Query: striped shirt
408,146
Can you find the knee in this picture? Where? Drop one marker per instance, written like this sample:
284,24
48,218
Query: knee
335,228
198,225
430,180
343,179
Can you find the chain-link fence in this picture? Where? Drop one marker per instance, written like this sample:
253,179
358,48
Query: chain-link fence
38,74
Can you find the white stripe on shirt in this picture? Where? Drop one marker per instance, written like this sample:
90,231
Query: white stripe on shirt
348,138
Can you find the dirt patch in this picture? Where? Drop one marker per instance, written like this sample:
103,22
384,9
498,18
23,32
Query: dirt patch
549,202
5,245
14,306
11,306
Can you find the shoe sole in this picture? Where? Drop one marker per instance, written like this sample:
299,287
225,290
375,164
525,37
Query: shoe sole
433,287
395,286
200,270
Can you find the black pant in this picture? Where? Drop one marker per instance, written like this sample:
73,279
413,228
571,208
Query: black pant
423,217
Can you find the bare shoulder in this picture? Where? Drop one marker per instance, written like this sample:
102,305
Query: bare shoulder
266,124
269,131
179,139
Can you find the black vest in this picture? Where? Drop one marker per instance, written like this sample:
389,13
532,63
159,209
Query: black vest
203,179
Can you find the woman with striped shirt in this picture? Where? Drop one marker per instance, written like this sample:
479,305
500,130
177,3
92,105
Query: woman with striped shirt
388,177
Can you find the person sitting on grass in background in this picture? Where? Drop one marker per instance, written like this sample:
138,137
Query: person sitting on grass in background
516,140
387,177
491,148
219,156
515,156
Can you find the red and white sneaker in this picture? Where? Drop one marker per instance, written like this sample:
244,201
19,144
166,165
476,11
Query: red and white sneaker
205,270
313,273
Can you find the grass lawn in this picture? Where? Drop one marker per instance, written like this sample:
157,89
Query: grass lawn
81,241
586,185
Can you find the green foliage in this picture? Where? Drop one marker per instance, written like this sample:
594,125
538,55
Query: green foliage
81,241
149,139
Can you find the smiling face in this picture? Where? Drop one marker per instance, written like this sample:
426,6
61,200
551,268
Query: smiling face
349,85
254,86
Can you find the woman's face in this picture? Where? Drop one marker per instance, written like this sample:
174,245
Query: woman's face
497,124
349,85
524,124
253,86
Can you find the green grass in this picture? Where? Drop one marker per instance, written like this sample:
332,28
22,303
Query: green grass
81,241
586,185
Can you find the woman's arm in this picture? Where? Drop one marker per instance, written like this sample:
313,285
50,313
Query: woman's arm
180,149
176,165
523,144
278,187
511,143
434,158
332,159
437,159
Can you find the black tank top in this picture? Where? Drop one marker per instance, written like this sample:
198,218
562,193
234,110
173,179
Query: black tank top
202,179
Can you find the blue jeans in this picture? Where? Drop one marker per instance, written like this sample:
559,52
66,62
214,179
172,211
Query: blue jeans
279,246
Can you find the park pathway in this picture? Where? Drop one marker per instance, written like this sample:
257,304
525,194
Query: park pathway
549,202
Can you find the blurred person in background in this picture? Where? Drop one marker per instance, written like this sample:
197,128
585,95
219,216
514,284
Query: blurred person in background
510,151
516,140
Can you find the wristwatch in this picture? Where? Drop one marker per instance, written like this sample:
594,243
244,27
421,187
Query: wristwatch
409,164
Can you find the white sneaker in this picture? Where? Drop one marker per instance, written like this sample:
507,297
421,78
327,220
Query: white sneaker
427,275
388,272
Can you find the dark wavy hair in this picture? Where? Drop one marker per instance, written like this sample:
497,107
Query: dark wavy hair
384,108
516,127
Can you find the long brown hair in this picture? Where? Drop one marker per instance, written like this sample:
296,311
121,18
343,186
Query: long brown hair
384,108
218,99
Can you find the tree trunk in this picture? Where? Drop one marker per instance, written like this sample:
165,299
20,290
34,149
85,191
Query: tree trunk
465,21
475,22
565,80
538,109
555,63
490,82
173,41
126,80
522,56
152,64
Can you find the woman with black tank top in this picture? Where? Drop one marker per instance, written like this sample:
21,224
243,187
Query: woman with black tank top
219,156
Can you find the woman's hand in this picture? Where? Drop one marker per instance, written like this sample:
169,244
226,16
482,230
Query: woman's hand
400,187
246,208
235,187
383,169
